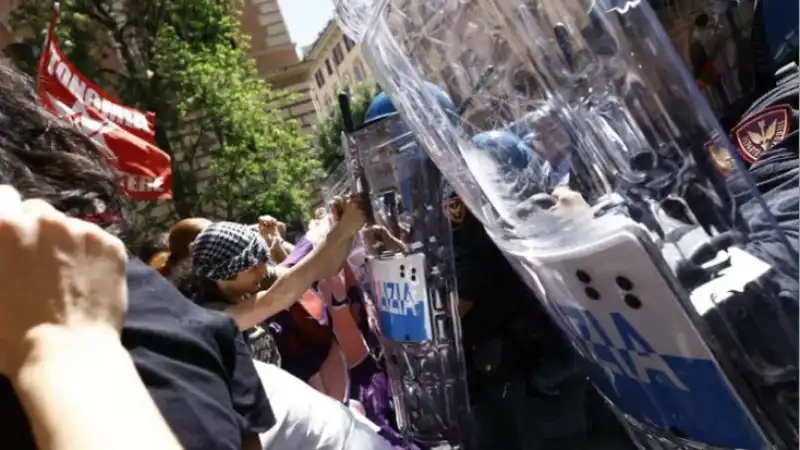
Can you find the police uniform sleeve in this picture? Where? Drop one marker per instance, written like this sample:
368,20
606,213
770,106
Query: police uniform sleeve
471,252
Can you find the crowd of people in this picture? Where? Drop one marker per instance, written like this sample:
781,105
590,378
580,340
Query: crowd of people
100,350
224,335
299,305
221,336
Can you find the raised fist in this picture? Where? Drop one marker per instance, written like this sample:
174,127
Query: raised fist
56,272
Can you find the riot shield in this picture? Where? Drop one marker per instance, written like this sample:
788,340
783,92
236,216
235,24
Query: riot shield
407,252
336,184
637,223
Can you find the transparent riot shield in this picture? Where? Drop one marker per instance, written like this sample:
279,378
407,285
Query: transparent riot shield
408,253
636,221
337,183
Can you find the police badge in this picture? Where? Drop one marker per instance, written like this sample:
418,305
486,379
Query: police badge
721,156
758,133
455,210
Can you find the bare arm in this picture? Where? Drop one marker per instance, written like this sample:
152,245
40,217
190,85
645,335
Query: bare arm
278,253
81,390
325,260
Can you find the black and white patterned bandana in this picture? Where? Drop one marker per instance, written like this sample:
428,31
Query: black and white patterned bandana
224,249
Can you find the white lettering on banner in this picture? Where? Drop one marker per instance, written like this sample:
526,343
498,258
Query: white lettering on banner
619,348
54,58
93,99
135,183
397,299
63,74
77,87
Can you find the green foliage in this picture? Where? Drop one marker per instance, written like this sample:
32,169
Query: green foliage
328,132
186,61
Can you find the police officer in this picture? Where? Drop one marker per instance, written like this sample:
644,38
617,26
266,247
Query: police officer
525,381
526,388
766,138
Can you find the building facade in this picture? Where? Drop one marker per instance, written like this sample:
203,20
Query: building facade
276,58
6,35
335,62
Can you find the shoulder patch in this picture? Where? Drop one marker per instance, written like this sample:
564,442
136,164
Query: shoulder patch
455,210
759,132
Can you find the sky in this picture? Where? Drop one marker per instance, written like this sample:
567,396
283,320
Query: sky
305,19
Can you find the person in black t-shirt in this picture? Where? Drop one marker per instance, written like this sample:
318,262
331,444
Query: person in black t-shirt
59,321
194,362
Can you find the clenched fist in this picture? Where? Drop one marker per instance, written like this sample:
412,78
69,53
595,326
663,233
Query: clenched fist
56,273
348,212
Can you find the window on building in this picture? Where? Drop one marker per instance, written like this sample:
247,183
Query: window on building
338,56
358,70
328,66
327,100
320,78
348,43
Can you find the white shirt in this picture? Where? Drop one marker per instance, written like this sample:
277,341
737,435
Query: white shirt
308,419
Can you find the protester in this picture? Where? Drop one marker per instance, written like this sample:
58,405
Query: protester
230,260
194,363
274,233
155,251
338,359
60,319
180,240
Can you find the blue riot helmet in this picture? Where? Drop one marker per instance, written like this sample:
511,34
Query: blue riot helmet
560,153
382,107
525,174
506,147
379,108
390,131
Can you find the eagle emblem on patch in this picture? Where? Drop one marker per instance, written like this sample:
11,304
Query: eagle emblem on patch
720,155
455,210
758,133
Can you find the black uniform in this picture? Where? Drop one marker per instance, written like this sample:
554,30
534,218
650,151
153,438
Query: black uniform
525,381
767,139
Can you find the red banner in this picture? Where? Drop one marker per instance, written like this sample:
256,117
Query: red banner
128,133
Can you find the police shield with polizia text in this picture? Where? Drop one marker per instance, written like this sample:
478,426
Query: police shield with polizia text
408,266
663,244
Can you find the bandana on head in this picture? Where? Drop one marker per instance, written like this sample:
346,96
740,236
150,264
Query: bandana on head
224,249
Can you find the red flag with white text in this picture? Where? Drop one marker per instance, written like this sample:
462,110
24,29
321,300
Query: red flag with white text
127,132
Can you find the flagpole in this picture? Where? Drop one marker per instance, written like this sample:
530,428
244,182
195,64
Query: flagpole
54,13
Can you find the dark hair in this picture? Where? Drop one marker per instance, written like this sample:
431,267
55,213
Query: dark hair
153,246
45,157
182,276
200,290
